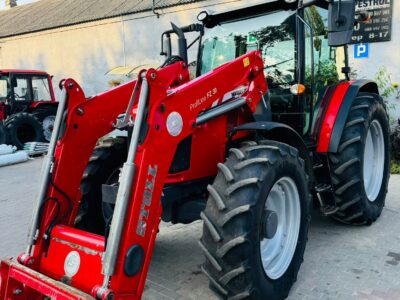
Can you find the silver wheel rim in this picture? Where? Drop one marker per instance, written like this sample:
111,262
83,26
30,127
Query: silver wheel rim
277,252
374,161
48,125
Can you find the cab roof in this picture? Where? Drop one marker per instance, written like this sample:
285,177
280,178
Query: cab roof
19,71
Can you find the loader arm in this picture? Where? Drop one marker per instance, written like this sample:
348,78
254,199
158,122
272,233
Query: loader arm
168,110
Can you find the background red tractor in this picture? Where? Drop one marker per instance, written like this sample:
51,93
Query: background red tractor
271,122
27,107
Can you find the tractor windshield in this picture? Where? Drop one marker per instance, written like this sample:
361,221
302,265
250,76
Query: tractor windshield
27,87
288,59
273,34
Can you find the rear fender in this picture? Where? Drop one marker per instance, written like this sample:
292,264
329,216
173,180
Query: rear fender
281,133
335,112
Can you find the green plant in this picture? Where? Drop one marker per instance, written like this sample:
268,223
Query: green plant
397,89
325,74
389,90
395,167
386,86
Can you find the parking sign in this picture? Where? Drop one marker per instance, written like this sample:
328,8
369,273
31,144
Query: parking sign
361,51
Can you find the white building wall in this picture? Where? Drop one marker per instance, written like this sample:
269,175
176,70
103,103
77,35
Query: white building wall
86,52
385,54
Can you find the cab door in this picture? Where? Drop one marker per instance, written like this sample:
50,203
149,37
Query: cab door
322,64
21,92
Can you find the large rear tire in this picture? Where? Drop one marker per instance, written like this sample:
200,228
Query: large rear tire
256,222
23,128
360,170
103,168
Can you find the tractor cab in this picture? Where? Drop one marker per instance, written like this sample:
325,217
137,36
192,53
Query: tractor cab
27,106
299,60
303,46
21,91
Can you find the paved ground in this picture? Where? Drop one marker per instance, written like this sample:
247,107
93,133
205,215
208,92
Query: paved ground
341,262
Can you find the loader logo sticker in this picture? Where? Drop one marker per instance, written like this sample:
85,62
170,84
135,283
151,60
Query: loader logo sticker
146,200
174,123
246,62
72,264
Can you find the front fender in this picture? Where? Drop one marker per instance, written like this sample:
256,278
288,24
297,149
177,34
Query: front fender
281,133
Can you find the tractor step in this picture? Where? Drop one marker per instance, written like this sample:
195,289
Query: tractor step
326,199
328,210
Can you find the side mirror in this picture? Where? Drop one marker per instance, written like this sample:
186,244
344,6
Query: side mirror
341,22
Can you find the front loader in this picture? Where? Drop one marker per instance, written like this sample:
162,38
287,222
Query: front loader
271,124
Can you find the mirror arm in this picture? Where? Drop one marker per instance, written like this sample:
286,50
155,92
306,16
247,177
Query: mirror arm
169,46
346,69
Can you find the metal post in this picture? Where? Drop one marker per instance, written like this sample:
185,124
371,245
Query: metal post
124,191
46,171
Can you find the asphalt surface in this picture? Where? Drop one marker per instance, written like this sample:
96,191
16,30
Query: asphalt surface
341,262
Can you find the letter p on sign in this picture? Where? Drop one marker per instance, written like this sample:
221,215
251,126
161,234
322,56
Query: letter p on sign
361,51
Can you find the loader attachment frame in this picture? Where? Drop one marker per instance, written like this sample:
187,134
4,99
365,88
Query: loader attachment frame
167,110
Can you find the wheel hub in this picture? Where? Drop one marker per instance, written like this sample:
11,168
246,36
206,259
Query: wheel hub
270,224
48,125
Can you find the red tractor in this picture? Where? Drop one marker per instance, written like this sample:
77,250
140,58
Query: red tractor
27,106
271,123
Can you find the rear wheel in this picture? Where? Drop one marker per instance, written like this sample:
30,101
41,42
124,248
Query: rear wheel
3,134
103,168
23,128
47,117
256,222
360,169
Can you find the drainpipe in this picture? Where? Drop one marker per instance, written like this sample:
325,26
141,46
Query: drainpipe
154,9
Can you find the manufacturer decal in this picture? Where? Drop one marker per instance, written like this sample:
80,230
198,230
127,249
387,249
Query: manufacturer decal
146,200
211,93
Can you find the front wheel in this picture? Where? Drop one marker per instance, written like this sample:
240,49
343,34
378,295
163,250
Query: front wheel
256,222
361,168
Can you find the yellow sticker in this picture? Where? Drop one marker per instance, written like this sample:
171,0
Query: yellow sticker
246,62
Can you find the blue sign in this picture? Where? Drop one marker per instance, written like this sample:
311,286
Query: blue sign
361,51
